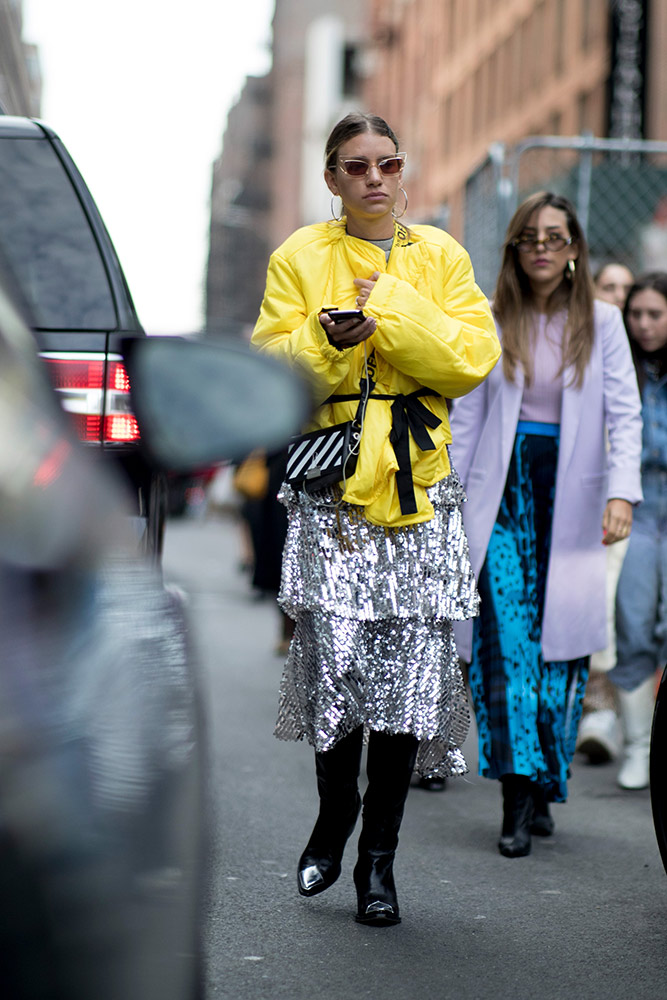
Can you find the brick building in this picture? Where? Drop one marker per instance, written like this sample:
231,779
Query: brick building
455,76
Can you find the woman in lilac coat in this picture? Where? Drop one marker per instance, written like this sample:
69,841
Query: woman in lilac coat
544,498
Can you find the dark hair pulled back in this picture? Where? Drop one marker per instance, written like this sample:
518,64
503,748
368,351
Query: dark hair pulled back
356,123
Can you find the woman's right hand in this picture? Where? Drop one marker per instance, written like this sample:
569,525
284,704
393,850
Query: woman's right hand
348,334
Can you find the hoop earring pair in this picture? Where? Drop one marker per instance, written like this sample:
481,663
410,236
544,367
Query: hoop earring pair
405,207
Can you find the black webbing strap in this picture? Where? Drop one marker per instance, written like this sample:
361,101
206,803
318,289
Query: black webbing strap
408,415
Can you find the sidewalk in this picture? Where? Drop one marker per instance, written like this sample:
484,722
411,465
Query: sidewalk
583,916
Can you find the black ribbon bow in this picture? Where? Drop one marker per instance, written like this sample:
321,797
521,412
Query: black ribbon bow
410,416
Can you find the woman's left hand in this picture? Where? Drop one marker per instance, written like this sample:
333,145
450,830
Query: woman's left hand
616,521
365,286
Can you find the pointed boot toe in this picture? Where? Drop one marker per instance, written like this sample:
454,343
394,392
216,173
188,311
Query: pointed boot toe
379,914
514,847
315,875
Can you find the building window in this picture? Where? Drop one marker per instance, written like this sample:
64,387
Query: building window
538,45
494,86
350,72
585,25
559,36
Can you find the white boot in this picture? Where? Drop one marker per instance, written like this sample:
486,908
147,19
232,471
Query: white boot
637,715
599,737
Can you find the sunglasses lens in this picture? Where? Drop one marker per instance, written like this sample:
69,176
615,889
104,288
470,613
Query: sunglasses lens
392,165
355,168
358,168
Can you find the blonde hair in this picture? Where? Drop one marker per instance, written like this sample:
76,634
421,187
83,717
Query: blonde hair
513,296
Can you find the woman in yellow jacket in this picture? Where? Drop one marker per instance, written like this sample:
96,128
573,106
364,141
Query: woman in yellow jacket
375,568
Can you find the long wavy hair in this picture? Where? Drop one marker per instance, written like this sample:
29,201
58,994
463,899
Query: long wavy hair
657,282
513,297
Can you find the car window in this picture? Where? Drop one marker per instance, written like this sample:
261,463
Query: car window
48,241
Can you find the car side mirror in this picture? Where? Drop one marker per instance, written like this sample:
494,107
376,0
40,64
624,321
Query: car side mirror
199,402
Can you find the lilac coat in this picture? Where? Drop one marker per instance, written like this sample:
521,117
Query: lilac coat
483,429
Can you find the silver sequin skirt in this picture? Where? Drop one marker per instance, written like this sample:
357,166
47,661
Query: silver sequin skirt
373,643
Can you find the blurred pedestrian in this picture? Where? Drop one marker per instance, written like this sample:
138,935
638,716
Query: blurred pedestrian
612,283
250,481
641,598
258,479
543,494
375,571
599,737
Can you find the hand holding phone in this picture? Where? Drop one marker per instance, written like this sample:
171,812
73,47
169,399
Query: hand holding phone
346,327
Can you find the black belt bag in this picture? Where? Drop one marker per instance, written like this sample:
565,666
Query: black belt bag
323,457
329,455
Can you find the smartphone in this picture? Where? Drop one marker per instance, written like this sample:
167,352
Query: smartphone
343,315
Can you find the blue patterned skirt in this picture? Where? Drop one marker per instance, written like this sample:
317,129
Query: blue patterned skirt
527,710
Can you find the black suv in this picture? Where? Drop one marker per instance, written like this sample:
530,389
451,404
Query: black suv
58,252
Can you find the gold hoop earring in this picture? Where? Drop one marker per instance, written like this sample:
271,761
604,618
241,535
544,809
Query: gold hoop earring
405,207
571,268
335,217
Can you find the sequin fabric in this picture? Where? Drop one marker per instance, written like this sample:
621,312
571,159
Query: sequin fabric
373,643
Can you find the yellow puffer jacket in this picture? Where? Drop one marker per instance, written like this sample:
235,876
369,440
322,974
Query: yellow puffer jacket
434,329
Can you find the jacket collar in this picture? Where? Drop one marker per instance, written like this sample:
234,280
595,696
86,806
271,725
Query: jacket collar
337,231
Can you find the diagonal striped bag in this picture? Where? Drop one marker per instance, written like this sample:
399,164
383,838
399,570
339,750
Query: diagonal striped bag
320,458
329,455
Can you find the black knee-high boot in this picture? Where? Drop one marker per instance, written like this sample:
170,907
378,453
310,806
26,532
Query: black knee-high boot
391,760
517,816
337,785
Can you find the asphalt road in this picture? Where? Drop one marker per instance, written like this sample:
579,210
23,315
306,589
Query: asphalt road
584,916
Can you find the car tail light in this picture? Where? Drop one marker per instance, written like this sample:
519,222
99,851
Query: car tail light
95,392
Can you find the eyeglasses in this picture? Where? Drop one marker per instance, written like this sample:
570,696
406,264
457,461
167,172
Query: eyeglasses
552,243
387,165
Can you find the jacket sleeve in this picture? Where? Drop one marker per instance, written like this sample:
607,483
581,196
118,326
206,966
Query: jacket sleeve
286,330
622,405
466,421
449,344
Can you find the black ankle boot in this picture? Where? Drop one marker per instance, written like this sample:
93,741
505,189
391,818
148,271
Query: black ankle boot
542,825
337,774
517,815
390,763
376,891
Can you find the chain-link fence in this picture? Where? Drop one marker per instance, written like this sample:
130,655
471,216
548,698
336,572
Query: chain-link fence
619,189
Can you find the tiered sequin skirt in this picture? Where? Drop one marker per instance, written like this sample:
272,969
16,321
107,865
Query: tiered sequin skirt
373,642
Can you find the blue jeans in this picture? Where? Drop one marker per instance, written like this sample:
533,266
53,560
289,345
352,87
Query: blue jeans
641,598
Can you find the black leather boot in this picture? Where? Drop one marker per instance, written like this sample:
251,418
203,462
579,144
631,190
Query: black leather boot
390,763
337,777
517,815
542,825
